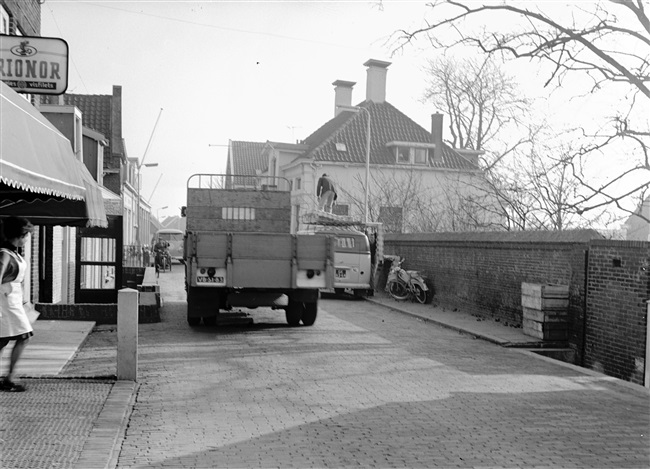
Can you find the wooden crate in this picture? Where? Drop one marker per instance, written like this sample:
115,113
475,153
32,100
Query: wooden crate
546,330
545,315
544,296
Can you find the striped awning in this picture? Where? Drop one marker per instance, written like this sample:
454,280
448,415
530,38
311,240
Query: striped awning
40,177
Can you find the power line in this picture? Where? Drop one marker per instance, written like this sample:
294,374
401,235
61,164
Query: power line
224,28
71,59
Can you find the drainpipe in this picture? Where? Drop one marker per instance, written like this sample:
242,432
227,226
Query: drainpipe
585,311
646,379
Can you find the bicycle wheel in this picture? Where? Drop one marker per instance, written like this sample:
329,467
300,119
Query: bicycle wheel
421,295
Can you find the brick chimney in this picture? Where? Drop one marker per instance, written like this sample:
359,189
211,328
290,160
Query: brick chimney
436,136
376,81
342,94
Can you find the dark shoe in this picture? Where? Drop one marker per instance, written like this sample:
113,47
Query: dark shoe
10,386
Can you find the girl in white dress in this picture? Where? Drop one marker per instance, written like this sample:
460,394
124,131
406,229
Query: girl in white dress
14,323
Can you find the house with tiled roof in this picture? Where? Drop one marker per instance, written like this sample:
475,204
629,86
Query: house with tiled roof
637,227
245,158
103,113
415,181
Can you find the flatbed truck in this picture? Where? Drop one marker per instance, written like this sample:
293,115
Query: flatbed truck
239,251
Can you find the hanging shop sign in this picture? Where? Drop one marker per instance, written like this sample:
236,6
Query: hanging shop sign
30,64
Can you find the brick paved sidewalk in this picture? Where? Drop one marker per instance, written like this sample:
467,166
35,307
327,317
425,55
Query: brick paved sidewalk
501,333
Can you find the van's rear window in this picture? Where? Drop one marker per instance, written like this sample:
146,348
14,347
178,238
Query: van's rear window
171,236
352,243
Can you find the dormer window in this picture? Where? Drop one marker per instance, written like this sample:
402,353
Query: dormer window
403,154
420,155
341,147
411,152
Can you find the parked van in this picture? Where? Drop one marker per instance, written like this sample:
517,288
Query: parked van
352,260
175,240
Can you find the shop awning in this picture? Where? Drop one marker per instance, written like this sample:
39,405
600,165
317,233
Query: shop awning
40,178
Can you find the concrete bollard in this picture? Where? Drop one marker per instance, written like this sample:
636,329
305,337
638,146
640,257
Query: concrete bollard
127,334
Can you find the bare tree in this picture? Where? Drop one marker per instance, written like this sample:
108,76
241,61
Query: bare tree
479,98
607,42
405,202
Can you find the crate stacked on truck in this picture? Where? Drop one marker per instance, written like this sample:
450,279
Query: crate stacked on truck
239,250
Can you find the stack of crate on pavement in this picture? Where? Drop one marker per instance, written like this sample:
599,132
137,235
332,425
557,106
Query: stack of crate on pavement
545,310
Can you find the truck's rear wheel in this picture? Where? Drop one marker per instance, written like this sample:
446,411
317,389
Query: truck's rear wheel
201,303
294,312
309,314
193,321
210,320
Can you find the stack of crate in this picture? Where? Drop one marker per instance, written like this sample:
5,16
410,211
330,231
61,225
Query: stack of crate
546,310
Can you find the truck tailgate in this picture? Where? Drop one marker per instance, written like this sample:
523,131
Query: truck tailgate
261,260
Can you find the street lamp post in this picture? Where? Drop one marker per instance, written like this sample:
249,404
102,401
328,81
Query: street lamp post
158,212
138,209
359,109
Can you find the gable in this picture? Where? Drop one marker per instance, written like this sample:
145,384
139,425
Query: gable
247,158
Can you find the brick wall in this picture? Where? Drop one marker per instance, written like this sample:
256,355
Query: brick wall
618,287
99,313
609,284
482,273
57,264
33,267
72,265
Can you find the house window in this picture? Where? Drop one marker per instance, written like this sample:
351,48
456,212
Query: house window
341,147
4,21
340,209
403,154
419,155
298,184
411,155
391,217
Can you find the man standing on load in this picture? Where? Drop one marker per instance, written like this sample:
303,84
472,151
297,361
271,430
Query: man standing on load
326,193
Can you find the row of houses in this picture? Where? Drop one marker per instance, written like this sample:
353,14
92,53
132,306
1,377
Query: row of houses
85,238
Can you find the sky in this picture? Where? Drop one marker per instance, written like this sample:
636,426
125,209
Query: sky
196,74
220,71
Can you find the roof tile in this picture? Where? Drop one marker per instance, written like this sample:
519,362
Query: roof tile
247,157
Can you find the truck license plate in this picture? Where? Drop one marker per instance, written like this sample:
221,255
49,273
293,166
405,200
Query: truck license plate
341,273
209,279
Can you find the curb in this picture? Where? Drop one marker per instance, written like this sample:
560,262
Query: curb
495,340
521,348
102,448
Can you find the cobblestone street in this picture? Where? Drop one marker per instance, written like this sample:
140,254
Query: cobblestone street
366,387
